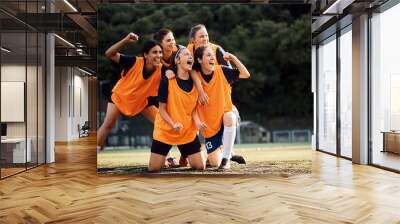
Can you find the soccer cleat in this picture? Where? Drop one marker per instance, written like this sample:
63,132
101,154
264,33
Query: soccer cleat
239,159
225,164
172,162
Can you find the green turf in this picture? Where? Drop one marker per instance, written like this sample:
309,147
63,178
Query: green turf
237,146
252,153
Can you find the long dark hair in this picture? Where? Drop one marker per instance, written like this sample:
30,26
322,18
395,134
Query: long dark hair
148,45
159,35
198,54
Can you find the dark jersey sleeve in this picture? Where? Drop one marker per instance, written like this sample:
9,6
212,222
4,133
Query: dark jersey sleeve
126,62
163,90
220,57
163,70
231,74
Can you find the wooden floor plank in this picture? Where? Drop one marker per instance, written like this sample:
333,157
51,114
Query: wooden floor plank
70,191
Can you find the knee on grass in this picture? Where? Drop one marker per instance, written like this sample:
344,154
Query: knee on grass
214,158
153,169
199,167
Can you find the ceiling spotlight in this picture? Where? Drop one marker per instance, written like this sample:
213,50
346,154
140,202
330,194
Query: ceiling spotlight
71,6
5,50
337,7
65,41
84,71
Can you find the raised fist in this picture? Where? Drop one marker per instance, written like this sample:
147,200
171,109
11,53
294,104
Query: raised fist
131,38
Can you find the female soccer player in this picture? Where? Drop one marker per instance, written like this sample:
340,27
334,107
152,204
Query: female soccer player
199,37
167,41
177,121
217,114
136,91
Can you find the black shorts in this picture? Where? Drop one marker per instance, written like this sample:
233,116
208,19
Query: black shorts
151,101
185,149
214,142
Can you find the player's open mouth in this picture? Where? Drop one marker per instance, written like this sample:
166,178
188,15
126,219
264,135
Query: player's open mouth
190,62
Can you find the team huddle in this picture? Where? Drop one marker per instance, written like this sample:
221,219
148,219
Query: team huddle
183,91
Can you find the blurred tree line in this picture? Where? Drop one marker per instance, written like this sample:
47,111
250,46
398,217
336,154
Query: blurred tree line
273,41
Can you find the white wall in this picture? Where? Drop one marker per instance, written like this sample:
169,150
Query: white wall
61,103
33,127
12,73
71,102
81,113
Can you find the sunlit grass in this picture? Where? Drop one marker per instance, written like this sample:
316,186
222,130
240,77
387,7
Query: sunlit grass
251,152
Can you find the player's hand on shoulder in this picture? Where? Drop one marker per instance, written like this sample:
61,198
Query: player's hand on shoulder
169,74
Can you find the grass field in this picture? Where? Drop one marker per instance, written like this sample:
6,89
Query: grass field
252,153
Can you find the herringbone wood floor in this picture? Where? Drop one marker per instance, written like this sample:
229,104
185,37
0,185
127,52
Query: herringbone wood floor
70,191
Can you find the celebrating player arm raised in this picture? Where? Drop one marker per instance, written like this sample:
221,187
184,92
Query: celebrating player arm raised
218,115
113,52
136,90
